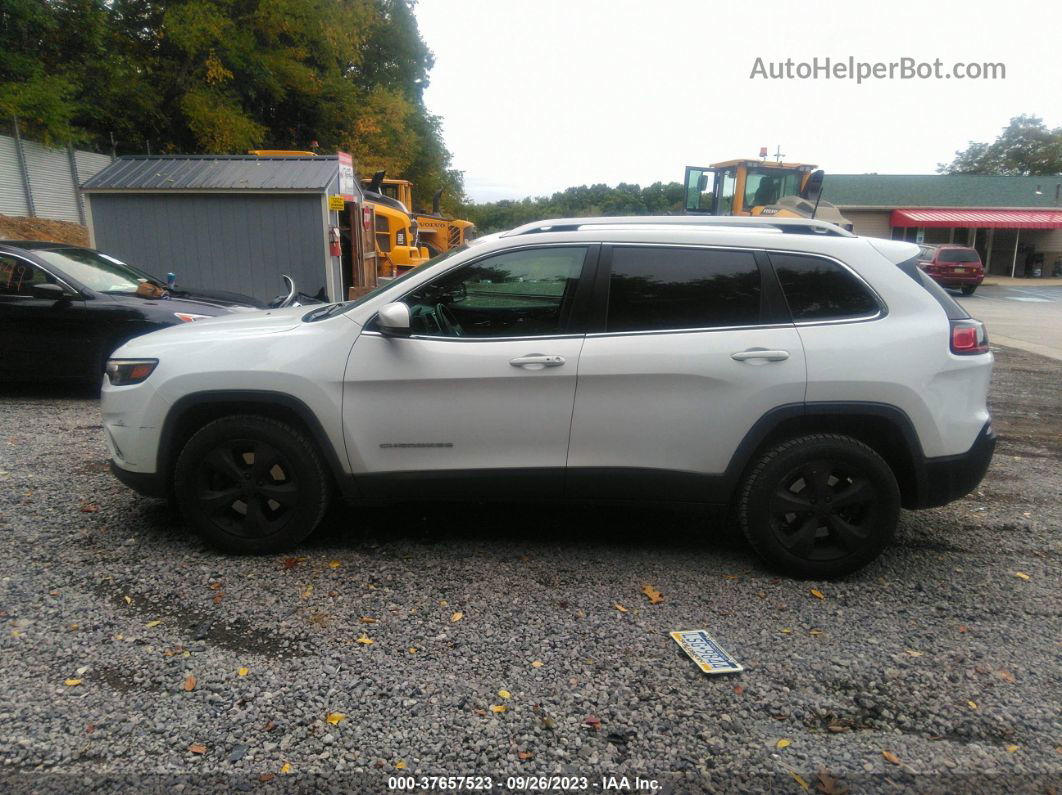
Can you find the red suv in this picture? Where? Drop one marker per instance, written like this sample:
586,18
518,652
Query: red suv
952,266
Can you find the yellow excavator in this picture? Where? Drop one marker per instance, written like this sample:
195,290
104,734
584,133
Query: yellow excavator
760,187
437,232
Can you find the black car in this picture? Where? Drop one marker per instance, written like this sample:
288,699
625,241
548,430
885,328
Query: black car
64,308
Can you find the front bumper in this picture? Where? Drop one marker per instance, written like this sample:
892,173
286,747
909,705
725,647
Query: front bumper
957,279
950,477
150,484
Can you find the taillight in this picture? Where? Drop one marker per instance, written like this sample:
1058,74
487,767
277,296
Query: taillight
968,337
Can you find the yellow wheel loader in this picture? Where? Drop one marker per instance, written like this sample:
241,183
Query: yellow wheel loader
760,187
437,232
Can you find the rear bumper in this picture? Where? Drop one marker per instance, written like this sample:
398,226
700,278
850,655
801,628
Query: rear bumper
957,279
150,484
950,477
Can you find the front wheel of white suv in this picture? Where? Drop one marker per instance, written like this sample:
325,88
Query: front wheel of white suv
819,506
251,484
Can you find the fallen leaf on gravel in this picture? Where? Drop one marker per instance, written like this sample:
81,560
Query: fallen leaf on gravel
817,593
265,778
400,765
593,722
891,757
549,723
786,630
1021,575
815,632
654,596
797,778
783,743
243,671
962,627
1007,677
218,597
285,768
836,728
443,603
457,616
291,563
498,708
412,650
537,664
89,507
197,748
270,725
189,683
307,591
72,682
335,718
620,607
367,620
214,586
504,694
828,784
524,755
128,599
479,713
154,623
1012,748
365,640
739,689
334,564
913,653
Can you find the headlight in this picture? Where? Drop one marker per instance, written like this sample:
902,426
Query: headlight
123,372
187,317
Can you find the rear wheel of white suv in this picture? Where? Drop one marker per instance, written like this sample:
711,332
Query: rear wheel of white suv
251,484
819,506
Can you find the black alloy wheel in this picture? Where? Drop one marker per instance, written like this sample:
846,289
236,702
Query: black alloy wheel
251,484
819,506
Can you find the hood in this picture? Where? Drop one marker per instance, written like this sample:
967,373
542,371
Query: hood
193,304
236,324
216,298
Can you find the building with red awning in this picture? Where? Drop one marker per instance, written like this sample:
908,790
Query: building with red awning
1014,222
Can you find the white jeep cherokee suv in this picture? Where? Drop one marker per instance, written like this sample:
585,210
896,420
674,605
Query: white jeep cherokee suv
814,380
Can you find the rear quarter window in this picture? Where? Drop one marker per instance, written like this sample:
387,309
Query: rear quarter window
820,289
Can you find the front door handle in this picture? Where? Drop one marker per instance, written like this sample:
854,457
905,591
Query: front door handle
760,353
537,361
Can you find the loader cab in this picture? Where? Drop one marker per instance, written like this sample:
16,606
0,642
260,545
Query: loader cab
736,187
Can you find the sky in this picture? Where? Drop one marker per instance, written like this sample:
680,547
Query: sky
539,95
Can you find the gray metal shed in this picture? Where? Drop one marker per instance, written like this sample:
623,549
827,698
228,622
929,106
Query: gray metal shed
224,222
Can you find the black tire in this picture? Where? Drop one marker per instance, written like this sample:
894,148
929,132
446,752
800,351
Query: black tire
250,484
968,289
819,537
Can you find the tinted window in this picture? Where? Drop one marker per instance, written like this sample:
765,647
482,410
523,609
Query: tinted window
958,255
676,288
818,289
18,277
516,294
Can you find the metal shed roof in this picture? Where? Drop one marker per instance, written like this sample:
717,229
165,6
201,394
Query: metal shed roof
198,173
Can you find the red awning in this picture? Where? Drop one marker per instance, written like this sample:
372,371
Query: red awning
1000,219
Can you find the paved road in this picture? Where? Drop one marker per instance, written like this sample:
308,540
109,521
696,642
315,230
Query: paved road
1026,317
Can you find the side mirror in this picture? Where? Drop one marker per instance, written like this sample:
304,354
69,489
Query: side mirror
49,292
813,187
393,320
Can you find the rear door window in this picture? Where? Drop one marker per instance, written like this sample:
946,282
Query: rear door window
663,288
820,289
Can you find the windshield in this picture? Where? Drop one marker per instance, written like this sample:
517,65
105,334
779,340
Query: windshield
958,255
95,270
348,305
767,186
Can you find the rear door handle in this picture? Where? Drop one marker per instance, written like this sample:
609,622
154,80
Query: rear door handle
759,353
537,361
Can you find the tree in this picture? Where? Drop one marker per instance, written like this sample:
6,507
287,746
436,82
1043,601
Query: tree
1026,147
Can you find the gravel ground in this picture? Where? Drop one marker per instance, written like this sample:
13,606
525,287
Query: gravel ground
939,654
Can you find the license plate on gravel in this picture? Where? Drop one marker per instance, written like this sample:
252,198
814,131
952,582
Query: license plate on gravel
704,651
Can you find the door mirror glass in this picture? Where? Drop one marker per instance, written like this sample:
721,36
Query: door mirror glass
393,319
49,292
813,187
